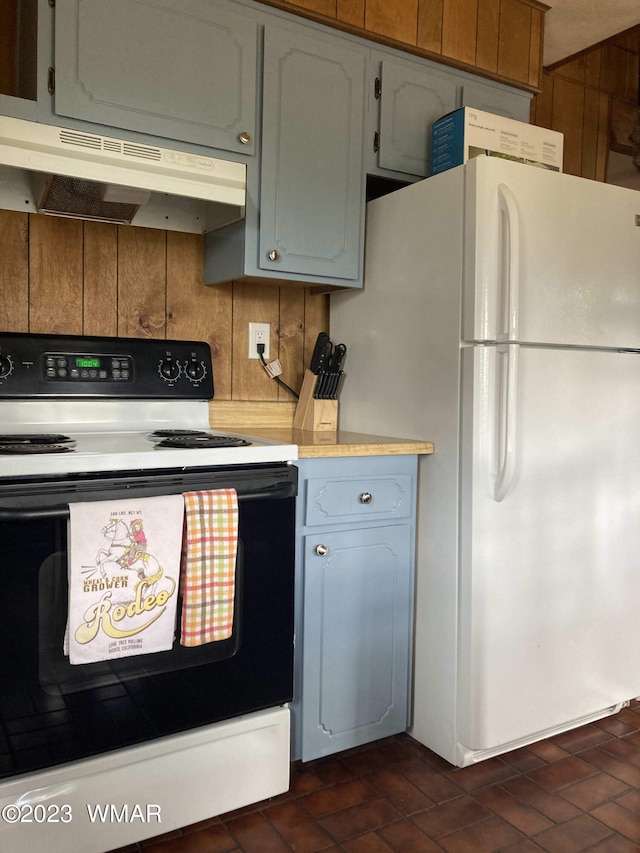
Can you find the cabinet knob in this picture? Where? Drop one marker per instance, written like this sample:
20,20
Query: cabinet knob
273,255
321,550
244,137
366,498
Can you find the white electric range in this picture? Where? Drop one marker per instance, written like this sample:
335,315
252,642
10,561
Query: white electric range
183,734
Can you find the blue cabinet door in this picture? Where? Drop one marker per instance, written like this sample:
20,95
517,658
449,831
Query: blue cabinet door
311,194
412,97
181,69
497,99
406,97
357,630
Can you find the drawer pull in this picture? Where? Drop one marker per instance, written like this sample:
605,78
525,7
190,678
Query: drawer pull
321,550
244,137
366,498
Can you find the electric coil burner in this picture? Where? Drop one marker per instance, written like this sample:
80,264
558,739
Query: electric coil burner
193,438
195,731
37,443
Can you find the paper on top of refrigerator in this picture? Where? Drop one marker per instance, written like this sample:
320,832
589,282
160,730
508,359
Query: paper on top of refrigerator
467,132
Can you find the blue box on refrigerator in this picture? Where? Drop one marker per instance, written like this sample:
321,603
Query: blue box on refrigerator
467,132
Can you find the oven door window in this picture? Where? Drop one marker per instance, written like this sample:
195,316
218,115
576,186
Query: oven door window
52,712
57,676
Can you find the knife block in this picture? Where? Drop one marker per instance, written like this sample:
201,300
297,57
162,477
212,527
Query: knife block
312,414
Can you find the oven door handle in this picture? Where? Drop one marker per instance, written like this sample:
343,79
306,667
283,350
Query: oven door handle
38,513
278,491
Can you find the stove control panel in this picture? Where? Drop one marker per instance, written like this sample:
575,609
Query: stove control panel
64,365
171,369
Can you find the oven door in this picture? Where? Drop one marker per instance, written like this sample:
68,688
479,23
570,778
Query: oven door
51,712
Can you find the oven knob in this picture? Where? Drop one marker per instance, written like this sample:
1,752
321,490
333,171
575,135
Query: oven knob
6,366
169,370
196,371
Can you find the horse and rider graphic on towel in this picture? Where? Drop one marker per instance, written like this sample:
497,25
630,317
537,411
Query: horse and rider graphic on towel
127,548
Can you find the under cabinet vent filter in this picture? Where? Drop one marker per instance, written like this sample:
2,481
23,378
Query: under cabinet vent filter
105,143
76,197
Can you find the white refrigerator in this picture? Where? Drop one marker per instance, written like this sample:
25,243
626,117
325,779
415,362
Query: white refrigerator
500,318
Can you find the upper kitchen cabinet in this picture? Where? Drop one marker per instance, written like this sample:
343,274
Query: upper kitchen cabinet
305,220
19,58
313,96
405,99
496,98
180,69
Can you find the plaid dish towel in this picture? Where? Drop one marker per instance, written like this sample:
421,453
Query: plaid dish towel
209,549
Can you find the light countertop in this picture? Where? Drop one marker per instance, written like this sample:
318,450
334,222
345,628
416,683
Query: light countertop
318,445
273,422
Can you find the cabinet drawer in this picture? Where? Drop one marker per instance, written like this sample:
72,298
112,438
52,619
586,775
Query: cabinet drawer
332,500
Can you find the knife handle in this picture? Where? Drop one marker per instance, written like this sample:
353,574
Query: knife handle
319,352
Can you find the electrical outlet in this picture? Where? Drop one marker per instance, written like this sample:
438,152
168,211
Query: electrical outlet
259,334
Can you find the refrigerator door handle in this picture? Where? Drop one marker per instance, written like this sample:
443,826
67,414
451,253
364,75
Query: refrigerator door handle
510,264
507,410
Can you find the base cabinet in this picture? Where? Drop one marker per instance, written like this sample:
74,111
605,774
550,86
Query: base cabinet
356,531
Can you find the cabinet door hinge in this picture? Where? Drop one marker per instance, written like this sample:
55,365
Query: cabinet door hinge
376,142
377,88
51,80
52,4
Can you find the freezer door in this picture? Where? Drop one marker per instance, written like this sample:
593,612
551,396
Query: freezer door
549,258
550,540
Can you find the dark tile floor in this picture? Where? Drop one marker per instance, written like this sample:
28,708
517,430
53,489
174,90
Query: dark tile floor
577,791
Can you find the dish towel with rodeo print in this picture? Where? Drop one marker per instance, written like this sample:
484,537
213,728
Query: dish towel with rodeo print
124,571
208,578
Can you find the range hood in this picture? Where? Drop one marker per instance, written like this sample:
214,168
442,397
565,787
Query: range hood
74,173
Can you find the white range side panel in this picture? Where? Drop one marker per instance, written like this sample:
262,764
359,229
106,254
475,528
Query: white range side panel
566,249
403,379
549,574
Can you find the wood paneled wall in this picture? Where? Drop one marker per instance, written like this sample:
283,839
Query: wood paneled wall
577,98
64,276
501,39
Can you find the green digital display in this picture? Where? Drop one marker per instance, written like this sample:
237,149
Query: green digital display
85,361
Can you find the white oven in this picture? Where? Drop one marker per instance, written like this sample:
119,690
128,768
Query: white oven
102,754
